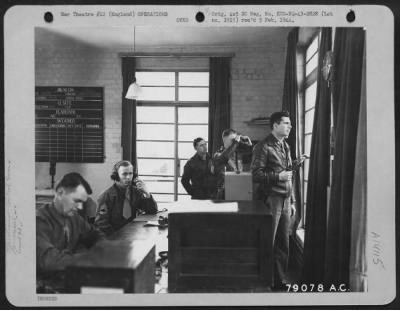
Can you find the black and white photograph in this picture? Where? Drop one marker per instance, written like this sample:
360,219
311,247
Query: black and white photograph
178,160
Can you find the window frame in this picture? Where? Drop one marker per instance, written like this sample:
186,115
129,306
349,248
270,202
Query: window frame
176,104
308,81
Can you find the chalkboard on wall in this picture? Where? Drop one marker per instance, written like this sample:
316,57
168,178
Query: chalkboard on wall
69,124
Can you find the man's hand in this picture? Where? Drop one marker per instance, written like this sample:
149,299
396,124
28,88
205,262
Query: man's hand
293,207
300,160
141,186
246,140
285,176
234,136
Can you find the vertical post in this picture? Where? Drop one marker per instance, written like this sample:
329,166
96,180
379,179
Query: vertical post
52,172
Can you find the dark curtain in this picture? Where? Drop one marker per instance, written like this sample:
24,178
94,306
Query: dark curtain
347,77
318,176
219,117
128,128
290,104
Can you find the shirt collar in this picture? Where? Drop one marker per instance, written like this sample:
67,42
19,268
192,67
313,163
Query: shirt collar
55,213
197,156
119,189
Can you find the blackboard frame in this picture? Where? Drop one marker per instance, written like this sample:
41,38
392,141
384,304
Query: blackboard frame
99,90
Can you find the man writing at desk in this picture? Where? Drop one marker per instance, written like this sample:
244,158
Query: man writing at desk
120,203
60,231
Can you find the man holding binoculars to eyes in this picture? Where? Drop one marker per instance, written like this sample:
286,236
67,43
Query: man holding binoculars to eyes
272,171
226,158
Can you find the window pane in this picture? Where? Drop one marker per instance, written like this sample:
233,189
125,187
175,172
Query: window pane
182,166
191,132
194,78
311,95
185,150
312,48
155,149
312,64
158,93
156,166
305,192
160,187
163,197
155,78
155,132
306,167
305,203
184,198
155,114
309,121
307,144
193,115
181,189
193,94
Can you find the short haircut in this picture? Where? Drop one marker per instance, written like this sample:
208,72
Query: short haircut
123,163
276,118
228,132
72,180
196,141
114,173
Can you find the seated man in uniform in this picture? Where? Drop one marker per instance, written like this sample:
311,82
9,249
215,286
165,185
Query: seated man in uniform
226,158
61,233
198,176
124,200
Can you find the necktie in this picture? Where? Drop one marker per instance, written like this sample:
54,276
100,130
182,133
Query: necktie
284,152
127,210
66,236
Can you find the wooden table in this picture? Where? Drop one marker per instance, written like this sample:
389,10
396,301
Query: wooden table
221,251
211,249
125,261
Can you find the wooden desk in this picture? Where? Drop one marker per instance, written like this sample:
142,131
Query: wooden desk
126,260
221,251
115,264
208,252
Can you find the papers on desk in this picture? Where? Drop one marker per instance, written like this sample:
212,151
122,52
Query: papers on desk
152,223
202,206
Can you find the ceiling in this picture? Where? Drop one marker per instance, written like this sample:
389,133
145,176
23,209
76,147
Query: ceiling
145,36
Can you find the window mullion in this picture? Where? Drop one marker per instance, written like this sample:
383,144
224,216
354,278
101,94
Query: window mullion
177,168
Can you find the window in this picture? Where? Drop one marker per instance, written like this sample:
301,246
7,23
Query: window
172,112
310,95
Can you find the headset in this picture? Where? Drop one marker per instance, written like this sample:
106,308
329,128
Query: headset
114,172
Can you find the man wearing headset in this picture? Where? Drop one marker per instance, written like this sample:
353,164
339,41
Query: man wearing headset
122,202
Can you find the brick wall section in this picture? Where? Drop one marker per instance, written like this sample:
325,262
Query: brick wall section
85,67
257,86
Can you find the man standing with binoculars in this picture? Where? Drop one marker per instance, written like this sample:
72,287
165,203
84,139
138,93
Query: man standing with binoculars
272,171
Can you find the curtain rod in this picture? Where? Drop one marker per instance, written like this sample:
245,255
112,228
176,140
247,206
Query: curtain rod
176,55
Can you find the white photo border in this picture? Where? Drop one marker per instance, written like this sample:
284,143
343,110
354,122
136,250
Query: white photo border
19,87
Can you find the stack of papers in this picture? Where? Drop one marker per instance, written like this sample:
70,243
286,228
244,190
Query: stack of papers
202,206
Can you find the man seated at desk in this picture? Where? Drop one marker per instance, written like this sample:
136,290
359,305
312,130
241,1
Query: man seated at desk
121,203
226,158
198,174
61,233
